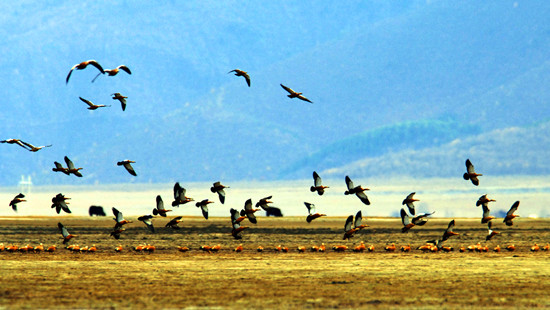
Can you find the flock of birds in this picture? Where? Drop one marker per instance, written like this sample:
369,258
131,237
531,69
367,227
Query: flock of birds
352,225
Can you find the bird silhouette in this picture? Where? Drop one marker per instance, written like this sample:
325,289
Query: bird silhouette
17,199
294,94
113,72
82,66
243,74
357,190
218,187
471,174
121,99
128,166
179,196
317,184
311,212
508,220
91,105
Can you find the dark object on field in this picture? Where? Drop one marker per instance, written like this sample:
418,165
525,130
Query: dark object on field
273,211
97,211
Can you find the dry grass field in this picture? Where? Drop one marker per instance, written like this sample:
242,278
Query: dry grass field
168,278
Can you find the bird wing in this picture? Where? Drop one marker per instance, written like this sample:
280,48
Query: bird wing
513,208
204,209
221,195
358,219
97,65
405,219
88,102
118,215
70,164
64,231
409,197
469,166
178,191
317,179
349,183
20,195
69,75
363,197
125,69
349,222
130,169
234,215
288,89
147,220
304,98
247,78
450,226
310,207
248,205
160,203
63,205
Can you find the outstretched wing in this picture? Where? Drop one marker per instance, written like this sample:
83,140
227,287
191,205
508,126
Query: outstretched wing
349,183
70,164
513,208
310,207
125,69
288,89
363,197
317,179
130,169
358,219
349,222
405,219
63,230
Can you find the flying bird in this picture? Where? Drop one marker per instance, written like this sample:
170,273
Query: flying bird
236,220
117,231
350,230
204,207
160,210
59,168
264,203
490,233
243,74
483,201
17,199
113,72
147,220
33,148
357,190
121,98
294,94
66,235
179,196
128,166
317,184
173,223
71,168
217,187
471,174
248,211
510,214
58,202
119,219
449,231
409,223
91,105
409,201
82,66
311,212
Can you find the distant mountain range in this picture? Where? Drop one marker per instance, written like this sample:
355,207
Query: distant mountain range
398,88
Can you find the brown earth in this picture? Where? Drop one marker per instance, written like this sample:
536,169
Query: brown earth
167,278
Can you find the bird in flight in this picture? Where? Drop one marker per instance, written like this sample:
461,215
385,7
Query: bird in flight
311,212
173,223
349,231
147,220
204,207
82,66
243,74
119,219
357,190
217,187
409,223
317,184
510,214
409,201
179,196
160,210
65,233
294,94
17,199
471,174
113,72
33,148
91,105
128,165
58,202
71,168
248,211
121,98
